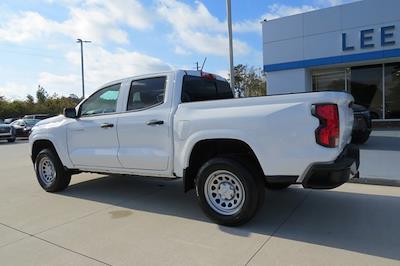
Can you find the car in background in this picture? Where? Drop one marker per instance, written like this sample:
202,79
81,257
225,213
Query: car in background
10,120
37,116
23,127
362,126
7,132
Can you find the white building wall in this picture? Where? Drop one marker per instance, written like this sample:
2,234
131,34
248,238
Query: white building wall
315,38
288,81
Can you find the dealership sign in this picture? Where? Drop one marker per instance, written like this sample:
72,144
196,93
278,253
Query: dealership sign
368,36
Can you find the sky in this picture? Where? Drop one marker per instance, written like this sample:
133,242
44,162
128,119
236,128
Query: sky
128,37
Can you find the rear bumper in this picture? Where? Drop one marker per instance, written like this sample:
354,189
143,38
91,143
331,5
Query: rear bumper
333,174
362,123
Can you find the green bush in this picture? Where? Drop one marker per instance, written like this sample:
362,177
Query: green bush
45,104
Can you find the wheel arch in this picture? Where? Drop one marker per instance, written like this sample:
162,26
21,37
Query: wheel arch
205,149
40,145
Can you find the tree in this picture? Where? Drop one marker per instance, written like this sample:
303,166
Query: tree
41,95
250,81
30,100
73,97
45,104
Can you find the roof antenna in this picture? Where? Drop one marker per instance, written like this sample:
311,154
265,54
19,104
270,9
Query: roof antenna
202,66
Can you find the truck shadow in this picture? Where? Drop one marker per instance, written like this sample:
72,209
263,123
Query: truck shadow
364,223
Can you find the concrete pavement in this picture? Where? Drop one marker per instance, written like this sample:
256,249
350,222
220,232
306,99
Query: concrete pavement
380,156
121,220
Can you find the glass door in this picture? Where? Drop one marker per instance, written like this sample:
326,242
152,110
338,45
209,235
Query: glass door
392,91
366,86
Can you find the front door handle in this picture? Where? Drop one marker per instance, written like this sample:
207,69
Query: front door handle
107,125
154,122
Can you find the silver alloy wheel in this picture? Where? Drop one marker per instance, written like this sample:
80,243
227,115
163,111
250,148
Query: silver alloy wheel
224,192
47,171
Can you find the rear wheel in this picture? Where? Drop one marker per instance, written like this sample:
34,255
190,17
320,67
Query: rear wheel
11,140
228,192
50,172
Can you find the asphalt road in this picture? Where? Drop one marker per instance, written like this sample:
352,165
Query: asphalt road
120,220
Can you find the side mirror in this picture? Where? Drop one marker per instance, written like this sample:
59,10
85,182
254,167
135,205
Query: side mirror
70,112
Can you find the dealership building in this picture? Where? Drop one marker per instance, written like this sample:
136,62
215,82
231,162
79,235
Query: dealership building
353,47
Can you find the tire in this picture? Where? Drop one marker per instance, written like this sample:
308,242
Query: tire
360,138
277,186
50,172
11,140
221,177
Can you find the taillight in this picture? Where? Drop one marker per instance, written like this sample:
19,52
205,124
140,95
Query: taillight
327,134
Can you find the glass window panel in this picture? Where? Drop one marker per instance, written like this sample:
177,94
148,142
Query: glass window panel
366,88
202,89
102,102
198,89
146,93
329,81
392,91
224,90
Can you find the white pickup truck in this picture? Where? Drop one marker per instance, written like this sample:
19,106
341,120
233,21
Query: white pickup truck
187,124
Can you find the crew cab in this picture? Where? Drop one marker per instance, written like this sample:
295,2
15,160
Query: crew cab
187,124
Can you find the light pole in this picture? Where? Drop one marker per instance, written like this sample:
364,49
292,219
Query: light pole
229,15
83,76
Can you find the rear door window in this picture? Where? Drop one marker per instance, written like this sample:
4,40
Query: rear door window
146,93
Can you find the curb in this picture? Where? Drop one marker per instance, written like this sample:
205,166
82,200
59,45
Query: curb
375,181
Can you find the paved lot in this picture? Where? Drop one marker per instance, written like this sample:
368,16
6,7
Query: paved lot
141,221
380,156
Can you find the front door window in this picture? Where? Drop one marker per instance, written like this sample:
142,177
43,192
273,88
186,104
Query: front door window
102,102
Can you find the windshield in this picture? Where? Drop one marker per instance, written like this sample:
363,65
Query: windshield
31,122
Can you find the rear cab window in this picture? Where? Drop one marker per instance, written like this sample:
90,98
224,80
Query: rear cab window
195,89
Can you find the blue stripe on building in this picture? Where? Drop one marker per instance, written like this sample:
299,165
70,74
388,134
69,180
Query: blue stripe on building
333,60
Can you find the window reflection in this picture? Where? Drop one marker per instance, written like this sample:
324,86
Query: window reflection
329,81
366,88
365,83
392,91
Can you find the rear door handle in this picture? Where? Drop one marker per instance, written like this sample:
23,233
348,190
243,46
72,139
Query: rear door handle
154,122
107,125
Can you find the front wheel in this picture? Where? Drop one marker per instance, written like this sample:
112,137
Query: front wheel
50,172
11,140
228,192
